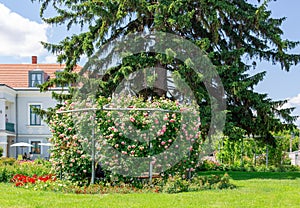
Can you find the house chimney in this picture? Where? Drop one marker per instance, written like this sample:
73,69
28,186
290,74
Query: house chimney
34,59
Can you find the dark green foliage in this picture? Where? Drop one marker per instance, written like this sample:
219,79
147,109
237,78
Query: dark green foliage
227,31
1,151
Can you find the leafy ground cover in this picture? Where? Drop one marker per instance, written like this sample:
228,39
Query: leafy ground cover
253,190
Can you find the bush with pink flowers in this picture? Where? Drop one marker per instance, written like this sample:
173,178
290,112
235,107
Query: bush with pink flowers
170,138
68,157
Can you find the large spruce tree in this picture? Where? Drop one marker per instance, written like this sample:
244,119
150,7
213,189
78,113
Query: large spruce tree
228,31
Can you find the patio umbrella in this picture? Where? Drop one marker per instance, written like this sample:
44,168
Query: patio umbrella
22,145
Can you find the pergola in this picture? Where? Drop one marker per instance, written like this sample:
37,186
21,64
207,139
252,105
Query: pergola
107,108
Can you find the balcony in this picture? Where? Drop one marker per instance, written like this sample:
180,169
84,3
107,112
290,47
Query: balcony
10,127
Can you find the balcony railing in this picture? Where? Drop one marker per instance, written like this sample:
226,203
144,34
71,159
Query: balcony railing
10,127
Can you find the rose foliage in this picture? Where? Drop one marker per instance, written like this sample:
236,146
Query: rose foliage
129,136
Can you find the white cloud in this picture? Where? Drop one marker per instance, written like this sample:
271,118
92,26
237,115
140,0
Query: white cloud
51,59
19,36
294,102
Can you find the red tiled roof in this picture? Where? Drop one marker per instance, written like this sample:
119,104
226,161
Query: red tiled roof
16,75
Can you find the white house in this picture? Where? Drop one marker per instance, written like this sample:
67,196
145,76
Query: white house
18,95
295,157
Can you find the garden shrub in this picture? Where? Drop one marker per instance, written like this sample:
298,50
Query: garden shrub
7,161
71,154
208,165
291,168
5,174
177,184
28,168
249,168
68,157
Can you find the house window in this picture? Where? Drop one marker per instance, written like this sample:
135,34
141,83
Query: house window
36,149
34,118
35,78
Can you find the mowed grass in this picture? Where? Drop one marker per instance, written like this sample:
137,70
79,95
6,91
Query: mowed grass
253,190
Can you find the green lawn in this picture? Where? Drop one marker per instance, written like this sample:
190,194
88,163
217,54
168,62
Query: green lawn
253,190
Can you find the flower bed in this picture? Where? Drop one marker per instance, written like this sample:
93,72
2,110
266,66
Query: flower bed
21,180
27,168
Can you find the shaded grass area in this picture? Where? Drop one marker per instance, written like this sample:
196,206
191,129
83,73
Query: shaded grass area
254,190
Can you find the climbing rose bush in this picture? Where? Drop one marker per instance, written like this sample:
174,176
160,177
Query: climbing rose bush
68,157
122,136
154,136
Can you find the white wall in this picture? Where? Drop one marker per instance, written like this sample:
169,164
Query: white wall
26,132
25,98
7,98
3,144
2,114
295,157
18,102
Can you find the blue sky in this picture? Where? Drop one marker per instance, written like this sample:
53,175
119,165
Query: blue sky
21,31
